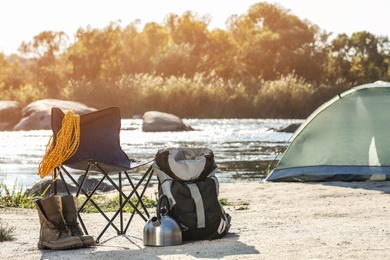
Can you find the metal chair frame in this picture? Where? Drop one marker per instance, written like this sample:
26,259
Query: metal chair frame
124,199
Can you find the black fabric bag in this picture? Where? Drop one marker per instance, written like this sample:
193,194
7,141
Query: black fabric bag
192,189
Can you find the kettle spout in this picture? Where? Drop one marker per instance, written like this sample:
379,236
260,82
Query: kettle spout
155,222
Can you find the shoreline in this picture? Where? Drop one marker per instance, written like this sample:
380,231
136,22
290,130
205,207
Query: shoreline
342,220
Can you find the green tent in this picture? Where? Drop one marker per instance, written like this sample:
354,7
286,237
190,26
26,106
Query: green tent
345,139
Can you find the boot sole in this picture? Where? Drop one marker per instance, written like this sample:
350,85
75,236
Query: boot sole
88,242
45,245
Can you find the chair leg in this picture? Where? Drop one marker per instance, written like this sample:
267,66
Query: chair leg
120,203
88,198
123,198
127,200
148,173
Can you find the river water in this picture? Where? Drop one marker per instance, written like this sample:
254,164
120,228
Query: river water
244,148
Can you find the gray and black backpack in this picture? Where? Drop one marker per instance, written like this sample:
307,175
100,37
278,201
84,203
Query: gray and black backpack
187,177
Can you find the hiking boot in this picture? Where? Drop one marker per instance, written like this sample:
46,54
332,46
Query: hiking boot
53,233
70,212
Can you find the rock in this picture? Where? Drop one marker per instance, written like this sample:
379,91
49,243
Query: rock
290,128
90,184
37,115
39,188
10,114
154,121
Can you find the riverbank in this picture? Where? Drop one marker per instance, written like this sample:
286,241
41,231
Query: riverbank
339,220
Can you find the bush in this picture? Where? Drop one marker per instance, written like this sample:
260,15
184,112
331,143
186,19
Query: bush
201,96
16,198
6,233
287,97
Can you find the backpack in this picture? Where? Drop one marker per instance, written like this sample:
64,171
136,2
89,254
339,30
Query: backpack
187,177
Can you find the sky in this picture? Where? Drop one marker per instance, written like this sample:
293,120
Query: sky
21,20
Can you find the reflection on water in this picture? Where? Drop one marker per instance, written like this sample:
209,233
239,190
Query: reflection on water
244,148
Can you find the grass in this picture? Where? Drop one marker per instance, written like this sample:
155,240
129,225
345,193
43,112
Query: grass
16,199
6,233
19,199
111,204
241,205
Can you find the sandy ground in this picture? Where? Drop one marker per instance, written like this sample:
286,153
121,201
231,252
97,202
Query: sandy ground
334,220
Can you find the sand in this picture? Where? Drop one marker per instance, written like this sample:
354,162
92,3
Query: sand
332,220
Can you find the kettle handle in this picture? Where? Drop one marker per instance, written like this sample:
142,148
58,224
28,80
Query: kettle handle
159,205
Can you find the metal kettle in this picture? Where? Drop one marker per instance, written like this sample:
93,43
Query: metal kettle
162,230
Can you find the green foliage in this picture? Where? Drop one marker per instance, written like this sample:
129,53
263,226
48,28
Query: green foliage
288,97
359,59
19,199
223,201
24,94
6,233
242,206
16,198
112,204
203,96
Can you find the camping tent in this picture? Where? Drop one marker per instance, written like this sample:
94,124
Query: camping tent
345,139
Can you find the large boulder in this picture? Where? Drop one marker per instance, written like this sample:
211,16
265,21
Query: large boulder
37,115
10,114
154,121
48,185
45,188
291,128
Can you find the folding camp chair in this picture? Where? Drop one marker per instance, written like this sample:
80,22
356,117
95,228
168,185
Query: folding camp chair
99,150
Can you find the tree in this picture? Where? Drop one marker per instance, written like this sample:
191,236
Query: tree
359,59
174,60
155,40
273,42
12,75
4,64
220,55
43,52
95,54
189,31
